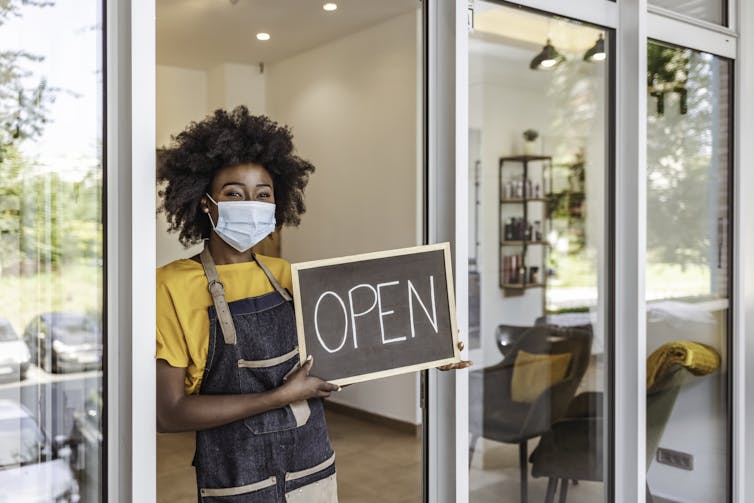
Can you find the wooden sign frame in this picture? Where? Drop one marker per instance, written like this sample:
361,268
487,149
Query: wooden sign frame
445,247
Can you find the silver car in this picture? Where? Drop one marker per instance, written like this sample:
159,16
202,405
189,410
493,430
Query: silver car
14,354
62,342
28,471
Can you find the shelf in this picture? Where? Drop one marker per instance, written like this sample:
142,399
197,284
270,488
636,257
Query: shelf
518,286
521,243
519,200
526,158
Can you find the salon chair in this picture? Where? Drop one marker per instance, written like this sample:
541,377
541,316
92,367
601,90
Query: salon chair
507,335
520,397
573,448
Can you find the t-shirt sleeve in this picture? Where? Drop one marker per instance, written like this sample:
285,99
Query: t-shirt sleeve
285,276
171,341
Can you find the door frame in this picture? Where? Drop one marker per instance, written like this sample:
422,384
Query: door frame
130,263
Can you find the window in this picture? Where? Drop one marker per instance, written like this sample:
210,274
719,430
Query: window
688,272
51,250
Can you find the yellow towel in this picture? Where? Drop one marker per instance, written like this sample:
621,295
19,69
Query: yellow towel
699,359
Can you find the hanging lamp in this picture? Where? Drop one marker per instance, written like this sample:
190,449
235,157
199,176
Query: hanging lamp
597,51
547,59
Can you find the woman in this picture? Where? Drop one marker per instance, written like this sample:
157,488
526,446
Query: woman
227,361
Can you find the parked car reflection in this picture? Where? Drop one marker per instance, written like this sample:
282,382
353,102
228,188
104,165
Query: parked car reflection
14,355
29,469
86,442
64,342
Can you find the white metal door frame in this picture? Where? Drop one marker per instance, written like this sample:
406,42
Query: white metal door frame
130,251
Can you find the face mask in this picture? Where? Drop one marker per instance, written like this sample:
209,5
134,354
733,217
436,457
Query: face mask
242,224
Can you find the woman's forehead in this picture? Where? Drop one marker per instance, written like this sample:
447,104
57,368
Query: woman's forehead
244,174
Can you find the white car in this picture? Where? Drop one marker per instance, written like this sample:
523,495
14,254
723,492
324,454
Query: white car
28,472
14,354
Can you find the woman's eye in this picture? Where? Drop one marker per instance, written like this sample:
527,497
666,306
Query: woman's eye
234,193
263,195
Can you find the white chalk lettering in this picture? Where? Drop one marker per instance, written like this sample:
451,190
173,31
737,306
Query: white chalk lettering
385,313
316,324
413,293
354,314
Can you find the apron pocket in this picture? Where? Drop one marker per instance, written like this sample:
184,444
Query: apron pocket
317,484
259,492
261,375
289,417
322,491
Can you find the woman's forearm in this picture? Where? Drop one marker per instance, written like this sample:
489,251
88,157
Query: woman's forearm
201,412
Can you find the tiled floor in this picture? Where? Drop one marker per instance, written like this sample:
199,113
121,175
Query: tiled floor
499,480
375,463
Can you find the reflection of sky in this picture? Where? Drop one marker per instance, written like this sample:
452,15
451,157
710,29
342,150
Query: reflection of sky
67,35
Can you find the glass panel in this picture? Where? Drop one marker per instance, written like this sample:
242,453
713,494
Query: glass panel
538,169
51,260
714,11
688,273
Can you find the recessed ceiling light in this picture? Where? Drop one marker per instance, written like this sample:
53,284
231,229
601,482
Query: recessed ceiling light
330,6
263,36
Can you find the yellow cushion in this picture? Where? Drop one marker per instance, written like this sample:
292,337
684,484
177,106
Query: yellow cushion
535,373
697,358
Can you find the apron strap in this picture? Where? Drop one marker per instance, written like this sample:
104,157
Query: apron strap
217,290
273,280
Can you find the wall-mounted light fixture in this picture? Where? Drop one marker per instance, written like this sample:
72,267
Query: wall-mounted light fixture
547,59
597,51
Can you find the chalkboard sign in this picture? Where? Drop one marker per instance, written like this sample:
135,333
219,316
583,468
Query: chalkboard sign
378,314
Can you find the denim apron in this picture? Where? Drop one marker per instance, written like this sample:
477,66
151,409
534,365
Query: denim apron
283,455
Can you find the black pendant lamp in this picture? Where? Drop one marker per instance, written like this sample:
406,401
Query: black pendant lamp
547,59
597,51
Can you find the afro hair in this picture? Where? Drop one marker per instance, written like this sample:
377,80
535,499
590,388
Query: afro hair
221,140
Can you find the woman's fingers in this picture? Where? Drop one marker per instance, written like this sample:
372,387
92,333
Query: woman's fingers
456,366
308,364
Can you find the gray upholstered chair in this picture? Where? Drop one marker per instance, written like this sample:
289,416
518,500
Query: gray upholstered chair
520,397
573,448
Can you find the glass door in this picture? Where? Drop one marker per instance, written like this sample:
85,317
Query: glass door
539,170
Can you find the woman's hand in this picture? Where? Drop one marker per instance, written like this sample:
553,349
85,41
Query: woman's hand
301,386
456,366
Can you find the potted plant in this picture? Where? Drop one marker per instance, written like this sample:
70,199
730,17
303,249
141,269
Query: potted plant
530,137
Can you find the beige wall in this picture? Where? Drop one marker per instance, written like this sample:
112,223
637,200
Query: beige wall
181,98
352,106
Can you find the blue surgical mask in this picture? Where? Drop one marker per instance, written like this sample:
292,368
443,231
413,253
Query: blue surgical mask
242,224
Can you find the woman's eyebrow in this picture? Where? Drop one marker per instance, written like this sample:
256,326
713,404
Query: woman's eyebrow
231,183
264,185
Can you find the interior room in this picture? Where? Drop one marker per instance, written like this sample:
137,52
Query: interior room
539,195
347,78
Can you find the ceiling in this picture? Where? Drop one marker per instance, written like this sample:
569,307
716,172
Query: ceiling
203,33
520,28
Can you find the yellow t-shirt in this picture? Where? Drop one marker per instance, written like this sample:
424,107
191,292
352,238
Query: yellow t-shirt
182,302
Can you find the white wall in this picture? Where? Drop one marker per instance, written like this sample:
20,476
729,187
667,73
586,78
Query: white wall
232,84
185,95
503,104
505,99
182,96
352,105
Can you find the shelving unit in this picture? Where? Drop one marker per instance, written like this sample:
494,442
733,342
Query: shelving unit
517,188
